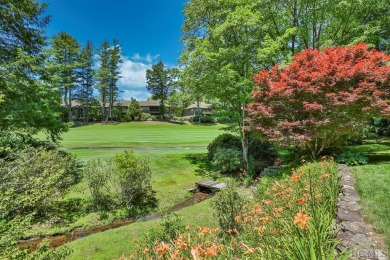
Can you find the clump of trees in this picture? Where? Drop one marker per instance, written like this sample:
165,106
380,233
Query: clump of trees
226,42
321,97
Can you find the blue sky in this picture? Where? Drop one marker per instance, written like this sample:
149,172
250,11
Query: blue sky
148,31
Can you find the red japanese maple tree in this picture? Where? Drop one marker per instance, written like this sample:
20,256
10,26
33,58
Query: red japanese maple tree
321,96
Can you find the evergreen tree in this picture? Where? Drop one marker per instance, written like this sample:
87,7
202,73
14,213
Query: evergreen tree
114,61
108,75
27,103
103,74
64,63
161,82
134,111
86,79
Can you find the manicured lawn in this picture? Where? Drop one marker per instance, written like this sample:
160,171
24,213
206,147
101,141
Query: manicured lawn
373,185
176,153
140,134
117,242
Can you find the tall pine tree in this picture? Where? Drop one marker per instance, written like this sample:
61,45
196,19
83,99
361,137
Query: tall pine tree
114,61
64,63
108,75
161,83
27,103
86,79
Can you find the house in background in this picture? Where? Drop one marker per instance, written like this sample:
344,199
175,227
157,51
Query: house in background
192,110
153,107
149,106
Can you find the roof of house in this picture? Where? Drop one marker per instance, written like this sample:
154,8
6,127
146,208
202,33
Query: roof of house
201,105
122,103
151,103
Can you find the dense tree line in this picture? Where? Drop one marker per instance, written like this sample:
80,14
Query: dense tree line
227,42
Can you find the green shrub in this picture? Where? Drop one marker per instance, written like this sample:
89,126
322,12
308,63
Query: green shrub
170,228
98,176
223,141
120,182
14,141
350,158
203,119
147,116
227,206
133,180
227,160
261,155
33,179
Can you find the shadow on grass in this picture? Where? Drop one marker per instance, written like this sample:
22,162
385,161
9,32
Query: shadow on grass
205,168
377,152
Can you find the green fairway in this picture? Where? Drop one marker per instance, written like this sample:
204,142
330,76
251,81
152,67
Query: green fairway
140,134
373,185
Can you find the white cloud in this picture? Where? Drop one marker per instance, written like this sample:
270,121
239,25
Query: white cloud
136,57
133,72
139,95
149,58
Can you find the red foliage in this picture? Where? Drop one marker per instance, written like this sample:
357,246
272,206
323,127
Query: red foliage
321,95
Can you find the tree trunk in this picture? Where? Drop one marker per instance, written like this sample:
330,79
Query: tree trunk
244,138
70,117
198,109
245,144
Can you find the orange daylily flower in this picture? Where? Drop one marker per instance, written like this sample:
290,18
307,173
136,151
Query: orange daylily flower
265,219
237,218
260,229
145,251
301,220
180,243
318,196
213,250
162,249
175,254
325,175
295,178
204,230
301,200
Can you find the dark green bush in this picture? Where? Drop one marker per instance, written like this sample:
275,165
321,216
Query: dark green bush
12,142
261,154
350,158
223,141
203,119
227,160
33,179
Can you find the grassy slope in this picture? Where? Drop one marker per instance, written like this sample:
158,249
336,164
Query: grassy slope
117,242
373,185
173,171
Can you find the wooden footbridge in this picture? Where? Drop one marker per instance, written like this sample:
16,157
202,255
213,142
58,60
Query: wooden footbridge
210,186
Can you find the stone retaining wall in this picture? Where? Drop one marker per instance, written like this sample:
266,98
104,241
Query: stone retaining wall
354,233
